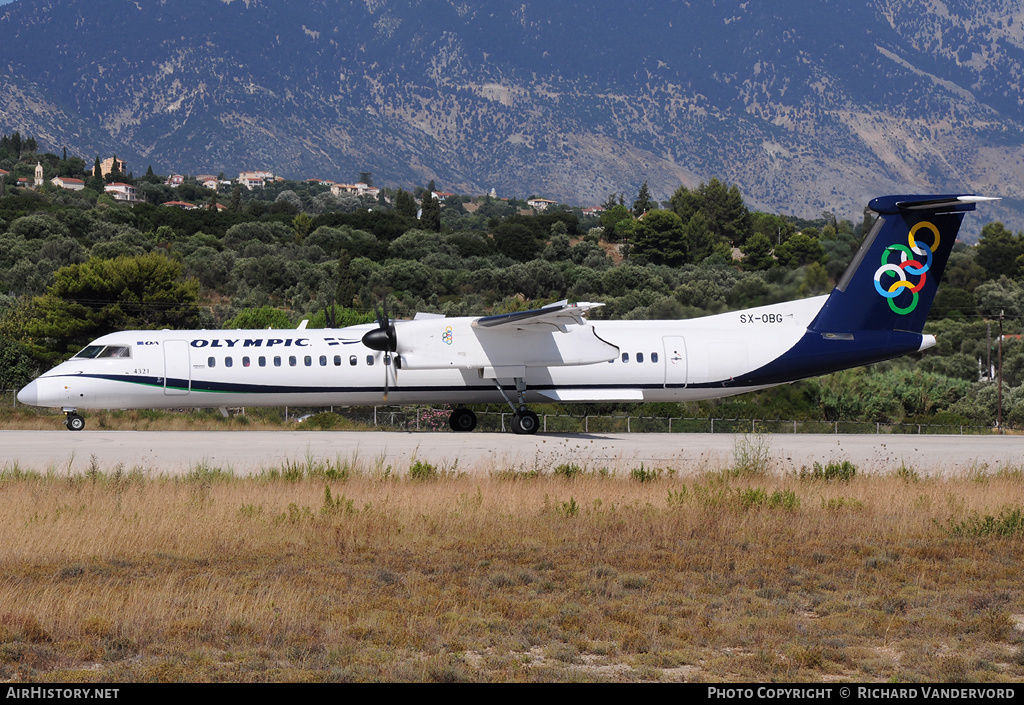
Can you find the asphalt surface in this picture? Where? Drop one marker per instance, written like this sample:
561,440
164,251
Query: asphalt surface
245,452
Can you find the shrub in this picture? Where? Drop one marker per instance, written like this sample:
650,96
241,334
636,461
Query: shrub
567,470
420,470
1010,522
642,474
840,471
752,456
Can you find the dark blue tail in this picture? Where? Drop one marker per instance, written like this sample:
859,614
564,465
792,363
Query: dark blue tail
878,309
892,280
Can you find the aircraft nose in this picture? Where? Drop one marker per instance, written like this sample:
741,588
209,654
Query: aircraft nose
29,394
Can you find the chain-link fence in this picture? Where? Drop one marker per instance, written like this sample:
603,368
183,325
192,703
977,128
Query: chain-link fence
427,418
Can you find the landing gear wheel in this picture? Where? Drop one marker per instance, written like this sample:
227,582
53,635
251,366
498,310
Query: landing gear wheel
74,422
462,420
525,422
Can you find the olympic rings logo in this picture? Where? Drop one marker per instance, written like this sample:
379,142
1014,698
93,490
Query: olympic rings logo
908,265
447,336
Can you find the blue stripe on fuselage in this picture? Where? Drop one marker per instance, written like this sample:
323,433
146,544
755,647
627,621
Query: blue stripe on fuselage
814,354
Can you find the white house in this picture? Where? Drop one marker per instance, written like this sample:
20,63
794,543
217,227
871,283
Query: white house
541,203
254,179
359,189
122,192
68,183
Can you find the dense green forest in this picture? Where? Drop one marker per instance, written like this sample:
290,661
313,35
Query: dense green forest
78,264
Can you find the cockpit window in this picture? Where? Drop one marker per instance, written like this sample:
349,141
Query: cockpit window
116,351
89,351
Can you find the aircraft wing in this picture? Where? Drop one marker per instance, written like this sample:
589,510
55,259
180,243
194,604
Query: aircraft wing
553,336
559,315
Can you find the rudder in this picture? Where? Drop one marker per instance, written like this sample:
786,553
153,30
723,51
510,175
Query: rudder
892,280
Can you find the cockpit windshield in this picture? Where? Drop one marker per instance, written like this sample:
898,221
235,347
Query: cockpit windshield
91,351
116,351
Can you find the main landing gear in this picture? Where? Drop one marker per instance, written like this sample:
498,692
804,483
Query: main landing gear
462,420
73,421
524,421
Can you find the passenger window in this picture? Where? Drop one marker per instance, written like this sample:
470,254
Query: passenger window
369,360
308,360
654,357
277,360
211,362
337,360
323,361
625,357
245,362
263,361
353,361
292,361
228,362
639,357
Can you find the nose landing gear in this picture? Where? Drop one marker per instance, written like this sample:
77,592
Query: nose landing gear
73,421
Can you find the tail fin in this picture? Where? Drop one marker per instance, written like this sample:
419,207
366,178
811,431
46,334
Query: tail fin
892,280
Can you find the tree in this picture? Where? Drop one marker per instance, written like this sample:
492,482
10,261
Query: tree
405,204
614,199
998,250
722,207
727,215
431,213
345,289
660,237
17,368
97,171
611,218
643,202
757,253
105,295
259,319
516,241
799,250
366,177
301,224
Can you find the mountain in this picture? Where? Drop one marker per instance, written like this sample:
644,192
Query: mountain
807,105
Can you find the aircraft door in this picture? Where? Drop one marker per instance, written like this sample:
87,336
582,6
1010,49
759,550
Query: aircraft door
177,368
675,361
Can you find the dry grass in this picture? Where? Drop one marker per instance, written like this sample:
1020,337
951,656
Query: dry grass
348,573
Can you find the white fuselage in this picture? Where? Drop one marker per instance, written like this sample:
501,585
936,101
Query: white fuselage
645,361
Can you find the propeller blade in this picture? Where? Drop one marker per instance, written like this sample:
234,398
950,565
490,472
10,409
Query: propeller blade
384,338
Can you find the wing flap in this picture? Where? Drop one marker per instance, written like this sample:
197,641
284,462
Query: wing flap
578,395
559,314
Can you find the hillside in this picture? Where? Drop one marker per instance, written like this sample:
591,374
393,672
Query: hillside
807,105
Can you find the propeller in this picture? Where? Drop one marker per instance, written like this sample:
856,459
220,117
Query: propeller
384,339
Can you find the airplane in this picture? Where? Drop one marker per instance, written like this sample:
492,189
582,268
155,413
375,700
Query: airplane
876,312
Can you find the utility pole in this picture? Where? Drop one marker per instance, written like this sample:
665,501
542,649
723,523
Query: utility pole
999,403
988,335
